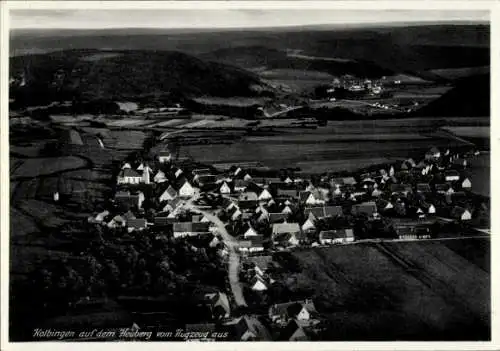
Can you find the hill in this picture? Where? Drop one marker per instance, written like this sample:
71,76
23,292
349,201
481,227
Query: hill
469,97
429,290
95,74
400,49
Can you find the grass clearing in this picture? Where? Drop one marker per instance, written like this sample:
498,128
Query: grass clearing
45,166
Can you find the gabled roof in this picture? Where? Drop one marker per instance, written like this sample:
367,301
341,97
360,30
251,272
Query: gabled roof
277,217
279,228
293,332
304,195
128,172
250,324
291,309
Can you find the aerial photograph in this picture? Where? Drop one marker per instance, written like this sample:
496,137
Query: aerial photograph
249,175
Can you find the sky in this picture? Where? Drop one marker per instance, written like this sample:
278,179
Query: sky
227,18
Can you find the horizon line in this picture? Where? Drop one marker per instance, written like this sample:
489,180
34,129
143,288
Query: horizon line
322,25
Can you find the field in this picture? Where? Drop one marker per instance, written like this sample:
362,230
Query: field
398,291
341,145
472,131
49,165
480,174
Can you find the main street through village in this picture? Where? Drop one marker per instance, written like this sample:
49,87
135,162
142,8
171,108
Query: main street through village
232,246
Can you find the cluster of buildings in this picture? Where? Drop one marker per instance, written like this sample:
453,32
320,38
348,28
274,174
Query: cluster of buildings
354,84
267,214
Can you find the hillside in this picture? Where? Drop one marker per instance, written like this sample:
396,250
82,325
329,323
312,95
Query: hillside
469,97
413,48
400,290
94,74
251,57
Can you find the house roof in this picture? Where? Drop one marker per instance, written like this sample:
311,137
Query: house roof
423,187
218,299
293,331
324,211
240,183
261,261
250,324
336,234
192,227
400,188
287,192
277,217
279,228
304,195
458,211
128,172
136,223
248,196
442,187
367,208
291,309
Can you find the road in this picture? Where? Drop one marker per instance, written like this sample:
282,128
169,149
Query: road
234,257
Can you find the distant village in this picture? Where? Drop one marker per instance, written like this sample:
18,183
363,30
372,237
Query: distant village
248,217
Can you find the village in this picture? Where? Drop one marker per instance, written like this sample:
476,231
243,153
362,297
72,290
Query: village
248,218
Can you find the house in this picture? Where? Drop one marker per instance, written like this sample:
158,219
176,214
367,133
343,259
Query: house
225,189
400,189
276,217
205,180
443,188
308,225
466,183
366,208
136,224
100,217
126,166
287,193
412,231
336,236
433,153
249,231
164,156
178,172
298,310
129,176
186,190
248,328
258,284
451,175
287,210
240,185
169,194
293,332
160,177
218,304
285,233
247,177
265,195
431,209
234,213
261,264
423,188
384,205
311,198
320,212
172,205
117,222
248,196
461,213
183,229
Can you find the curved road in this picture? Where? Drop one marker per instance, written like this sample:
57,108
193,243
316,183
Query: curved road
234,257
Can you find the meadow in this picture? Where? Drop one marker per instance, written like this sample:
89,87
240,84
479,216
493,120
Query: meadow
37,167
403,291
